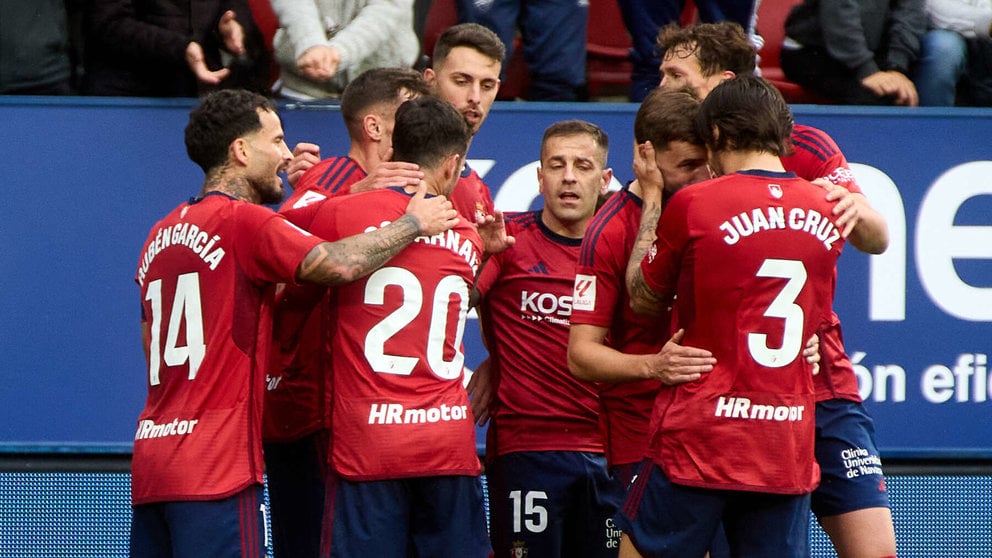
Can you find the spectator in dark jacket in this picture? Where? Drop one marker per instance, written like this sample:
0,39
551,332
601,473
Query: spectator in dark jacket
34,48
856,52
172,48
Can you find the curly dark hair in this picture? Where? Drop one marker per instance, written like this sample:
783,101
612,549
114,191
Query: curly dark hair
220,118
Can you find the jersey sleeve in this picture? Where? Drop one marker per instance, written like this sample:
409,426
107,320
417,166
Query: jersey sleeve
598,281
660,266
488,275
816,155
271,248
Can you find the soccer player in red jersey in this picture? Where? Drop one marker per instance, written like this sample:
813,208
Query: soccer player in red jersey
467,61
750,256
368,109
853,511
465,72
296,400
607,341
207,275
402,435
550,493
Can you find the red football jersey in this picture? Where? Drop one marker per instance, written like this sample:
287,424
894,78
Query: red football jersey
399,407
527,304
600,299
751,256
333,176
817,156
298,390
207,275
471,196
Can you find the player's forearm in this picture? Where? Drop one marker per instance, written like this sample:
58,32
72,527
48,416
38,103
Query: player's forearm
333,263
642,298
594,362
871,234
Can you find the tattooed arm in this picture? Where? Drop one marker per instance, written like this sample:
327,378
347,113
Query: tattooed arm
333,263
650,183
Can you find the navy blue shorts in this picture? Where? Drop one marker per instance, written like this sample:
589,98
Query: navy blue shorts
422,516
230,528
850,468
553,503
295,475
625,474
664,519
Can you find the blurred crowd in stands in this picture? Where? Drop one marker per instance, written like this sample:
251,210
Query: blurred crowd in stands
877,52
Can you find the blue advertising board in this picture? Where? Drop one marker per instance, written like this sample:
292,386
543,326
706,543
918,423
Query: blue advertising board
86,178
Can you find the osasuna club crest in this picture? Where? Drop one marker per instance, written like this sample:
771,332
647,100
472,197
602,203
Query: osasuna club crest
775,190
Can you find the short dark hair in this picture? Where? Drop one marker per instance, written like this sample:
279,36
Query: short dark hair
220,118
719,46
471,35
378,86
428,130
668,115
577,127
745,113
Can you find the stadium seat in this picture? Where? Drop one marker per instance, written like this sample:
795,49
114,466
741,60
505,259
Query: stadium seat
608,46
771,27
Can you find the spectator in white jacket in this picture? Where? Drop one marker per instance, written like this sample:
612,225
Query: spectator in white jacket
322,44
955,64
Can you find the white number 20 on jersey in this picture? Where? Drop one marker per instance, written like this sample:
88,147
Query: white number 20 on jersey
185,307
413,301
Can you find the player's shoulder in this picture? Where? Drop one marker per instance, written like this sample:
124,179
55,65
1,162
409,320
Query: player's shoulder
621,202
223,207
469,175
330,174
813,141
519,221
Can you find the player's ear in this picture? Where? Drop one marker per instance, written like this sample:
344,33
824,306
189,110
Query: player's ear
372,127
238,151
453,165
607,178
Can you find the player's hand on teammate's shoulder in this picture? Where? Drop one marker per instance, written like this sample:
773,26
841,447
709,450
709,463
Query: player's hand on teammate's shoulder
492,229
390,173
305,155
848,207
434,214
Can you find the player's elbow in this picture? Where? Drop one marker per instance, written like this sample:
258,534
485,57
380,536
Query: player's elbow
871,240
577,368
